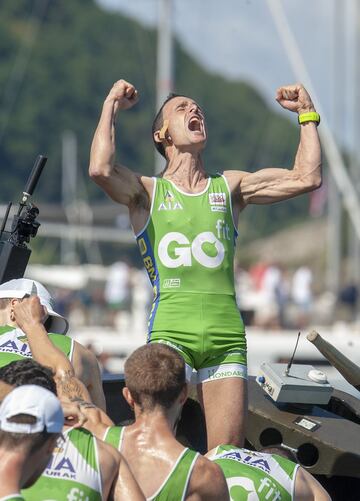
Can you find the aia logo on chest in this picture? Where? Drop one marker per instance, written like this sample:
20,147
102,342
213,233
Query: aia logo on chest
170,203
17,346
60,467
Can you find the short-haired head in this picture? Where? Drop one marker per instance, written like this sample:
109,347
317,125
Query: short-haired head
159,121
24,441
20,288
28,371
155,376
29,416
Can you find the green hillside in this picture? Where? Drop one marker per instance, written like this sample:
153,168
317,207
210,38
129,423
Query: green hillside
59,59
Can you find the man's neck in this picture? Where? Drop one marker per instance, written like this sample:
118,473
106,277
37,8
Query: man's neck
151,449
186,170
154,426
5,318
12,472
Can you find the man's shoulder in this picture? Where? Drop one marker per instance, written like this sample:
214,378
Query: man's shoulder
109,457
234,176
147,182
84,356
207,481
65,343
108,454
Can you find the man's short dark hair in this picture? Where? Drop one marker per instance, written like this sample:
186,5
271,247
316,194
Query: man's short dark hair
155,376
28,371
27,442
158,122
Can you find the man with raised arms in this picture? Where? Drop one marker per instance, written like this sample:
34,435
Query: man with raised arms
185,222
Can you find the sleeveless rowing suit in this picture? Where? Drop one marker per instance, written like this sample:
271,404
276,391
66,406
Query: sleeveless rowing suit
14,344
73,472
176,483
187,246
256,476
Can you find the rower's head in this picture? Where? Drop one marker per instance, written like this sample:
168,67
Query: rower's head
179,124
28,371
16,290
155,379
31,422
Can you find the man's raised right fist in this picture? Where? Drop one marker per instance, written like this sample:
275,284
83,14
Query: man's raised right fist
123,94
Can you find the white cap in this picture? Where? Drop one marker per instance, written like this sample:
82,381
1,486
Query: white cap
21,287
34,401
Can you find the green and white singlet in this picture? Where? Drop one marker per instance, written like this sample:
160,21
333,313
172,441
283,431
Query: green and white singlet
256,476
14,345
114,436
176,483
187,247
73,472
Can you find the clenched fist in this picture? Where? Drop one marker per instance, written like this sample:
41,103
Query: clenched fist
28,312
294,98
123,94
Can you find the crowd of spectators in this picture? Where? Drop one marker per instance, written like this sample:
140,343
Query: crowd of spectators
269,295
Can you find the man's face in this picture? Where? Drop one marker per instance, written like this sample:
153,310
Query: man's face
43,313
186,123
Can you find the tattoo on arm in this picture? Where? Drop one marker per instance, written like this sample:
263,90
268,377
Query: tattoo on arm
69,386
83,403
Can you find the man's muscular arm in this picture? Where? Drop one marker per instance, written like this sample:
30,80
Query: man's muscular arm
87,369
119,182
28,314
207,482
307,488
274,184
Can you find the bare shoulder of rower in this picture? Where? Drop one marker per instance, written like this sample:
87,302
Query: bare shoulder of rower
307,488
124,486
234,178
148,185
109,460
207,482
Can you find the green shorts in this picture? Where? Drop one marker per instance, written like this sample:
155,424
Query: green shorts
206,329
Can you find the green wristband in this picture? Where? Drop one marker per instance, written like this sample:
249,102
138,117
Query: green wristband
312,116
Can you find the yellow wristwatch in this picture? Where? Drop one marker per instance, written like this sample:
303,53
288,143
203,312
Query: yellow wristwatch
311,116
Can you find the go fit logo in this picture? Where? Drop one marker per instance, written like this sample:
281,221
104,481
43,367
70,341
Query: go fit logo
185,250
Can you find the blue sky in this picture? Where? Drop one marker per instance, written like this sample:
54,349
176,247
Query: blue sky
238,39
